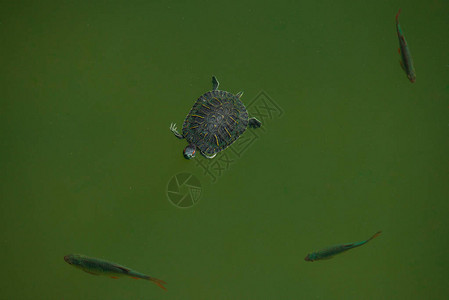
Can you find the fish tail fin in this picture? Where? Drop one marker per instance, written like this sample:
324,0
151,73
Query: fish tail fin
374,235
397,15
158,282
357,244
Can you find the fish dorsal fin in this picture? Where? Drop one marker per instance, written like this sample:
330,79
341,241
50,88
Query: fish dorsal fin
125,270
348,246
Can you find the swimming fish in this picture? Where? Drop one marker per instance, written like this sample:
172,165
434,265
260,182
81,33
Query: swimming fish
406,58
97,266
333,250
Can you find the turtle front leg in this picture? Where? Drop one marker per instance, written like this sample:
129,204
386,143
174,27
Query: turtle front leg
208,156
254,123
175,131
215,83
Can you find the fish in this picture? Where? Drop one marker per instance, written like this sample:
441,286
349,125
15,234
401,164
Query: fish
406,61
96,266
329,252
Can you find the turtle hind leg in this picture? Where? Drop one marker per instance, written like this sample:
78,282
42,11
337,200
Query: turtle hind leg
254,123
215,83
175,131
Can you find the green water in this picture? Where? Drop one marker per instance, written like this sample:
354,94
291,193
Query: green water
88,91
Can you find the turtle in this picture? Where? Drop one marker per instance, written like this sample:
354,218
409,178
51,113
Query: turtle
216,120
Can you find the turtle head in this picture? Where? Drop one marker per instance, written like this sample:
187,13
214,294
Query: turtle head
189,151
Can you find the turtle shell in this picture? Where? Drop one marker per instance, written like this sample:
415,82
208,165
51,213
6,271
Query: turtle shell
215,121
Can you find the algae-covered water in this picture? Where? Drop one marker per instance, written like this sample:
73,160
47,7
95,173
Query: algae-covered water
348,147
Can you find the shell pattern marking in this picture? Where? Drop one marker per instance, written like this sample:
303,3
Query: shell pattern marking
216,120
